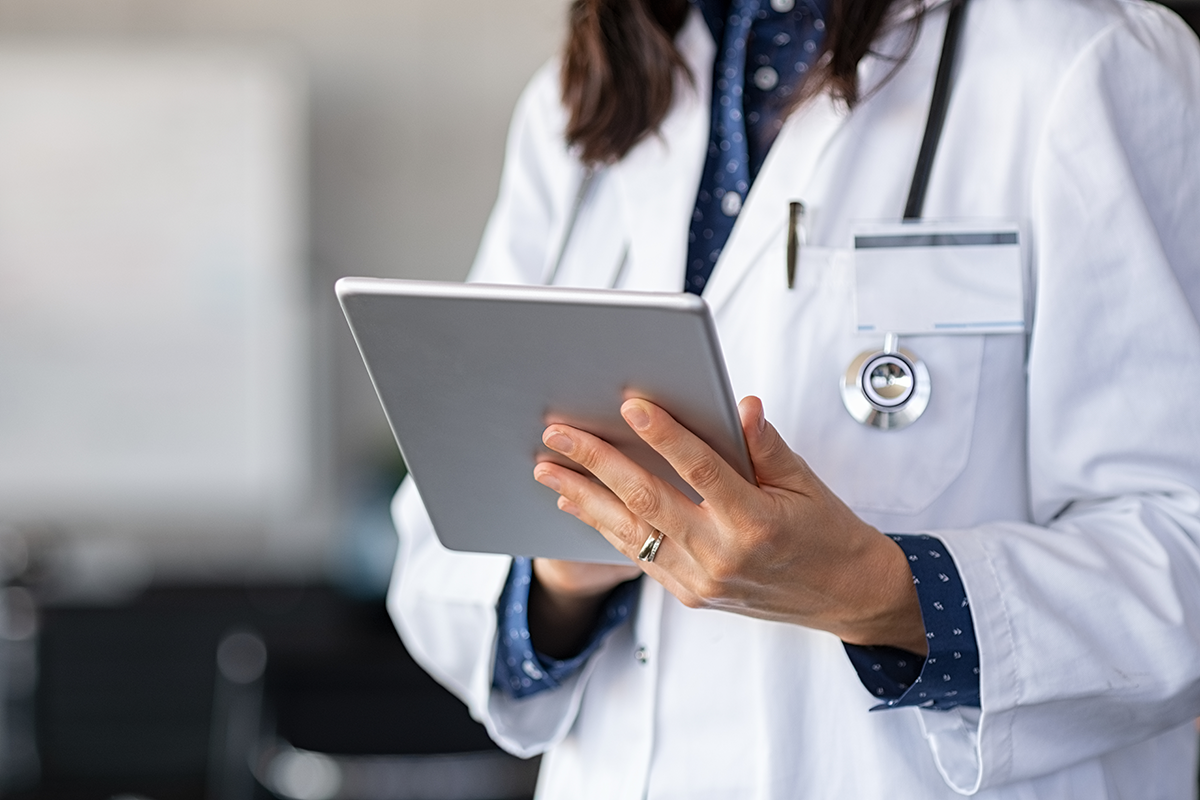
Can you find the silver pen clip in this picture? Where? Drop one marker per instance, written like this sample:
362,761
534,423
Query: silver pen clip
795,240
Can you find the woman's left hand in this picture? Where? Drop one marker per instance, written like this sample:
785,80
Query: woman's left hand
787,549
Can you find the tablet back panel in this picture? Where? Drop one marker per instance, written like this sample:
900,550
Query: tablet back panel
469,376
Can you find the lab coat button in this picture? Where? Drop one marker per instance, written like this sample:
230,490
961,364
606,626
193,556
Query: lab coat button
641,654
766,78
783,5
731,204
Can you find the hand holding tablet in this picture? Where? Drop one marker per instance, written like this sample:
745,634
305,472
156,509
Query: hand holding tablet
470,376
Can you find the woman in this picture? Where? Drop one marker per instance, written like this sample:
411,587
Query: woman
1045,502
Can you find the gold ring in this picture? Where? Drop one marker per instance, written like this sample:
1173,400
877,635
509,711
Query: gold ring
650,548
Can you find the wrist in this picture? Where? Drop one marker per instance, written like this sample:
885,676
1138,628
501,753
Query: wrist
888,611
563,604
559,620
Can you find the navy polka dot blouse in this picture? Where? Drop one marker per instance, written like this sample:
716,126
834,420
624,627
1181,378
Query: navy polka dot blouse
763,50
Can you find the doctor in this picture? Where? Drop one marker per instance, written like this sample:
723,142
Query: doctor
1000,598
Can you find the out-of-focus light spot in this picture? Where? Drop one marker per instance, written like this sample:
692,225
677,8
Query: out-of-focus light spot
303,775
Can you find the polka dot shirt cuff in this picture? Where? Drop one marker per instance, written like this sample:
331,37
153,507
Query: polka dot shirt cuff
949,675
520,670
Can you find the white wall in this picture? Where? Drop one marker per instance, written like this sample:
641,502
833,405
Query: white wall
409,104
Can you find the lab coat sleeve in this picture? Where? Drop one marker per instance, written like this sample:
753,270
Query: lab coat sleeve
444,602
1089,617
444,606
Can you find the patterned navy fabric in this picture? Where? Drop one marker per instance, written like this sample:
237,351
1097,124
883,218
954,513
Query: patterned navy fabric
519,669
949,675
887,672
775,44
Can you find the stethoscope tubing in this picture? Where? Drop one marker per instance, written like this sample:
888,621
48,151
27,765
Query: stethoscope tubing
938,105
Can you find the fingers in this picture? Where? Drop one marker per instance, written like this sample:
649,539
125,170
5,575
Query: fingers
575,511
775,463
602,510
705,471
633,498
592,504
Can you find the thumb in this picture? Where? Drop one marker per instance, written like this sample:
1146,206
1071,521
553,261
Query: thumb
775,464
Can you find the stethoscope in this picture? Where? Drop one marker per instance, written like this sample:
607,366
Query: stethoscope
889,389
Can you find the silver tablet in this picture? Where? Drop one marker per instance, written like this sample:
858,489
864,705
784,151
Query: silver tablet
469,376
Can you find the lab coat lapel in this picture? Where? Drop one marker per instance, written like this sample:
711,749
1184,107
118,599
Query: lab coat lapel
785,176
657,183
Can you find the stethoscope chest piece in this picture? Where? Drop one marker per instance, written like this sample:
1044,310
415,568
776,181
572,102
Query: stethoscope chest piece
886,389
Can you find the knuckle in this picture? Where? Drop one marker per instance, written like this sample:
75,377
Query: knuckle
642,500
756,533
628,531
702,472
757,527
718,574
745,521
710,588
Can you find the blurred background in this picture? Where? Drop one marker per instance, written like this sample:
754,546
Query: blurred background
193,463
194,470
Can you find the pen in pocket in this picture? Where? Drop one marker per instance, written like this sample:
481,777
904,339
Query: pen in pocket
795,240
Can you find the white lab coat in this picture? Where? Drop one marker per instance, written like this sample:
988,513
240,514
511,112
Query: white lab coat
1060,469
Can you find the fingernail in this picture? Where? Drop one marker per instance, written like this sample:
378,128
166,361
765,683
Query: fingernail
637,418
762,420
548,480
556,440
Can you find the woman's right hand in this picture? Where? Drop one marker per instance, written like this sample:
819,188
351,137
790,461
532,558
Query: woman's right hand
565,598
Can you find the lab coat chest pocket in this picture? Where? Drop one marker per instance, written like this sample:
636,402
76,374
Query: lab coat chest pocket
792,346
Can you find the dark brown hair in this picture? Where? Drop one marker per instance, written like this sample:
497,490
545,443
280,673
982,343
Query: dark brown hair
619,68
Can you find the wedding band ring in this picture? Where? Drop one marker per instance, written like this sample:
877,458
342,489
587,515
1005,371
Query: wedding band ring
650,548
